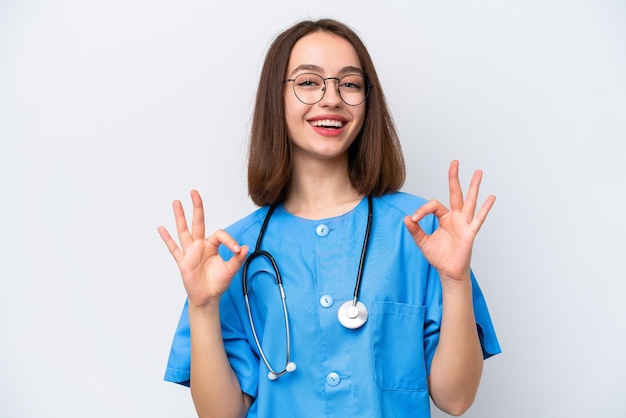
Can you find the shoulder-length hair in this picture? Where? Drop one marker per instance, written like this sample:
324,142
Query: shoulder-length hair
375,160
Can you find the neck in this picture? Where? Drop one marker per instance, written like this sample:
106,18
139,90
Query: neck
321,190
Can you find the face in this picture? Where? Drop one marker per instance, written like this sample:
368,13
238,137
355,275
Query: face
324,130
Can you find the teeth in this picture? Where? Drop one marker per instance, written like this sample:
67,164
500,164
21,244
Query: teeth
328,123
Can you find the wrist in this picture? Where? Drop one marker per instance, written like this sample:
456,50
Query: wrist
209,307
457,293
462,282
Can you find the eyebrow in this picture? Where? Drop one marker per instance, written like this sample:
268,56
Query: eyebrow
316,68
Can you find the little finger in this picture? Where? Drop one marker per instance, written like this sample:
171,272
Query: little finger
480,217
171,244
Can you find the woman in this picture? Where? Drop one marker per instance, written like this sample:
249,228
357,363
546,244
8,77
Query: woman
381,309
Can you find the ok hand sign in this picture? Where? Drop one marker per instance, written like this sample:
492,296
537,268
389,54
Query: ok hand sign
449,248
205,274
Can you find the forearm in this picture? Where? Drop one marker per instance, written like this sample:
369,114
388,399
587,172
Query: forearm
457,364
214,387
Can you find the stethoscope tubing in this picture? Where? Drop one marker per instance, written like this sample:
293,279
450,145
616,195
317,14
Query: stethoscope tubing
366,238
351,315
272,373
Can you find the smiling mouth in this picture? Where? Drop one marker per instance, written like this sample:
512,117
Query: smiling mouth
327,123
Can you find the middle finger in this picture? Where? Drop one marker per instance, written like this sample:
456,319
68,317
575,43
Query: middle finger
197,225
456,194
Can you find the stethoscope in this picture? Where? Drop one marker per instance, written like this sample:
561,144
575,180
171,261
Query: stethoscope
352,314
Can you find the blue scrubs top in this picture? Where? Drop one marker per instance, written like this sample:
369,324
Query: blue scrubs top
378,370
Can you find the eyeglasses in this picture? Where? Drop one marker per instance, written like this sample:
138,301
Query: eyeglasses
310,88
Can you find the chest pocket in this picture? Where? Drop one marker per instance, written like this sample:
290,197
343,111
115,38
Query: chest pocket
398,346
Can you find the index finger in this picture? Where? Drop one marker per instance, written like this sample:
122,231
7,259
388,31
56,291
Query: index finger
221,237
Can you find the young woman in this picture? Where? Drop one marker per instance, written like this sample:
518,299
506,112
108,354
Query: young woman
340,296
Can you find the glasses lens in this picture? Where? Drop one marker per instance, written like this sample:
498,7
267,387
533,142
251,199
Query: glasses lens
353,89
309,88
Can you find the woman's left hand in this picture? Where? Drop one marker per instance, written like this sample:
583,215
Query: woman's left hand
449,247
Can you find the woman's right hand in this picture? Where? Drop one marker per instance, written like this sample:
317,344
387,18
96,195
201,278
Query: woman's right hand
205,274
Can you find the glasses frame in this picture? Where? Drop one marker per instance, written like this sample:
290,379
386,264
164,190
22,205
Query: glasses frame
367,87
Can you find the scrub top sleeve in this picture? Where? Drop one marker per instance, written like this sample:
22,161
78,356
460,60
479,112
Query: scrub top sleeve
432,318
243,360
486,331
179,362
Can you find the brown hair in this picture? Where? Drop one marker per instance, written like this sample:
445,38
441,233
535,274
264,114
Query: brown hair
375,160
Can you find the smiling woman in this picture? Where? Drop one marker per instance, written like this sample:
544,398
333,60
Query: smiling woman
379,307
110,109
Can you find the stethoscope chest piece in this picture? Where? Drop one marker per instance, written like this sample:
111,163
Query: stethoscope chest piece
352,316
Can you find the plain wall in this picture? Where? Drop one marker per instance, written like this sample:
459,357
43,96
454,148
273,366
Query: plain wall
109,110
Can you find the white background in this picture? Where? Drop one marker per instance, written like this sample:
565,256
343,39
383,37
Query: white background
109,110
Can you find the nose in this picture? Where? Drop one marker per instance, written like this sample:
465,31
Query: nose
331,92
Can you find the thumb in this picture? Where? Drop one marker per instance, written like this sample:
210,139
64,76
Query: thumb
236,261
415,230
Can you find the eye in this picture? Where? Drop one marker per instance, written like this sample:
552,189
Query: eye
308,81
352,82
